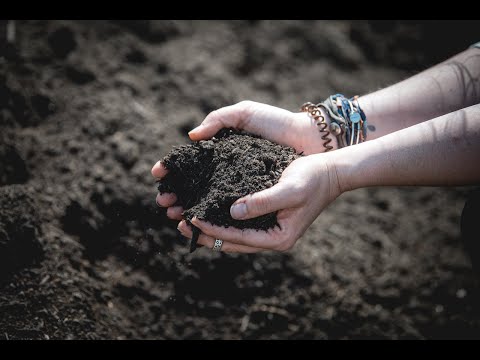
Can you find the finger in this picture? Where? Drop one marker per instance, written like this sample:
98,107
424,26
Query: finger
275,198
159,170
260,239
230,116
228,247
209,241
166,199
175,212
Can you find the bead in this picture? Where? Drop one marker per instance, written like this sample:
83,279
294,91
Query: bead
355,117
335,129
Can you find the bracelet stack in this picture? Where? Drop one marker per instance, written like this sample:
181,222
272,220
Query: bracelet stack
347,120
319,119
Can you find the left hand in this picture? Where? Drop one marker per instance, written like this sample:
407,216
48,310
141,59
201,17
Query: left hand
305,188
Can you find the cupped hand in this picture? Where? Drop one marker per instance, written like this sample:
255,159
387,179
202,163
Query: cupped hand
297,130
305,188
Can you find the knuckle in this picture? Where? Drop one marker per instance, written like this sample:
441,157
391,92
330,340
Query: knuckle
297,189
245,103
213,116
298,192
260,204
245,108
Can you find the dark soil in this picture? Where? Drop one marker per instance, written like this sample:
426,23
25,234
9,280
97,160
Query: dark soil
87,108
19,230
209,176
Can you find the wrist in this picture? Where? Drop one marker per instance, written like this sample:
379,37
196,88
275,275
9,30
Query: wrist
351,166
340,121
311,136
332,169
332,137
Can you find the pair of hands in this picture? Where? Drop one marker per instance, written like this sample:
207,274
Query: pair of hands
305,187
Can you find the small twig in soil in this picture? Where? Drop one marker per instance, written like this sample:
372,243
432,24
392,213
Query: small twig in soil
196,233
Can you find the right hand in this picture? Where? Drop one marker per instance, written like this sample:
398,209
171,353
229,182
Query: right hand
306,187
297,130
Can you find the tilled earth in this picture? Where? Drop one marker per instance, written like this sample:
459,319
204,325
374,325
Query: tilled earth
86,109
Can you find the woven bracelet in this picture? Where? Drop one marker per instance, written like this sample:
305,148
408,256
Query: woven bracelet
348,122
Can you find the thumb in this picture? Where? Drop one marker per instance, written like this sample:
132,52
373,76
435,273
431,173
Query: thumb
276,198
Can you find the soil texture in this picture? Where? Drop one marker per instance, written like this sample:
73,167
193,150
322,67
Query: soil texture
87,107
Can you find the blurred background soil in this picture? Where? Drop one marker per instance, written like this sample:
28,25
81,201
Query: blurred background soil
86,109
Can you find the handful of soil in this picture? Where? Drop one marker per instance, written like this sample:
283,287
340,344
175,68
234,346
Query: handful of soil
210,175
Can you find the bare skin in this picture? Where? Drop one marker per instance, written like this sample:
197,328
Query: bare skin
449,86
406,148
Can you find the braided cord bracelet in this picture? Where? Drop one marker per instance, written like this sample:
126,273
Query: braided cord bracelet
316,114
348,122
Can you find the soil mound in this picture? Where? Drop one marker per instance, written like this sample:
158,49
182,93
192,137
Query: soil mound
209,176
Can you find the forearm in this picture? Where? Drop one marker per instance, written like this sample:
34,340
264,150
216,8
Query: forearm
444,88
439,152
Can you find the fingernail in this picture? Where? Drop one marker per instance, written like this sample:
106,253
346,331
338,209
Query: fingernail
195,129
238,211
179,230
179,227
154,167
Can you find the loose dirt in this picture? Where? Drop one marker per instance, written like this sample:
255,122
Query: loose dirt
87,108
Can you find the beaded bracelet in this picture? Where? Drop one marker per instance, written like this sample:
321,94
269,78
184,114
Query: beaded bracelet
347,120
